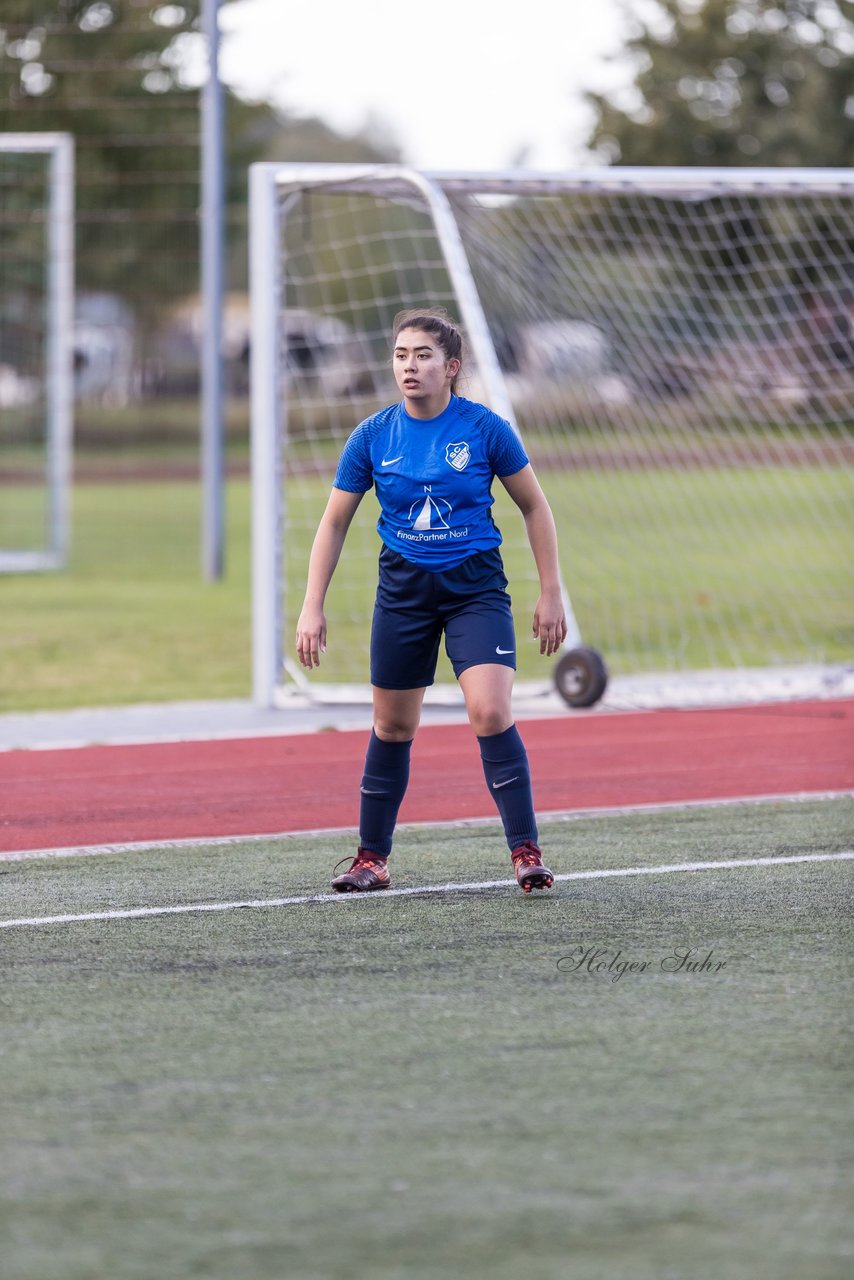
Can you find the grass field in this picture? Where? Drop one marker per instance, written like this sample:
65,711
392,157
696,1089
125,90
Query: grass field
761,574
132,619
413,1087
671,570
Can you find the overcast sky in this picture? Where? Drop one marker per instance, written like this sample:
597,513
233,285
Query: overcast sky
470,85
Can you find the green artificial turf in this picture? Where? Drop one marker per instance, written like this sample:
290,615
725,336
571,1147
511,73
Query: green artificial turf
405,1088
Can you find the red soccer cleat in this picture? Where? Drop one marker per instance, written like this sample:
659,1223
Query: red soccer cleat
530,872
367,871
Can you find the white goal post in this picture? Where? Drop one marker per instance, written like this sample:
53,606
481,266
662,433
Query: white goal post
676,347
36,348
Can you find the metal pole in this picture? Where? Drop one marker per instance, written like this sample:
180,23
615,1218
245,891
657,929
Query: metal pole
61,342
58,348
212,247
267,409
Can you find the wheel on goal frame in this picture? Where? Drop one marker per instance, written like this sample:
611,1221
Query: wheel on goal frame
581,676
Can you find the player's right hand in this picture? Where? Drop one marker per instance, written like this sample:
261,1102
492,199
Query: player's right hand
311,636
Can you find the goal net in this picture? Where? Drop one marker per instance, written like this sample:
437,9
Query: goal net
676,348
36,348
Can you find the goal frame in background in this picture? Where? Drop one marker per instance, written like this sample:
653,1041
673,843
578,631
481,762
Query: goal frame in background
271,185
59,348
583,669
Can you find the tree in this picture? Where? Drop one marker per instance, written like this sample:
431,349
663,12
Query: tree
734,82
123,77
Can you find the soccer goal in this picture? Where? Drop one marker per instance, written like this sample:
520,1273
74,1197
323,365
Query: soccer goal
36,348
676,348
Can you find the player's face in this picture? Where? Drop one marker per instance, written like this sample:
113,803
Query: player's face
422,372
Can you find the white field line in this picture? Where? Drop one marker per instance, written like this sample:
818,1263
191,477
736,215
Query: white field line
140,913
555,815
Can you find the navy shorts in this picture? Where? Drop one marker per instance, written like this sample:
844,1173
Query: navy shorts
469,603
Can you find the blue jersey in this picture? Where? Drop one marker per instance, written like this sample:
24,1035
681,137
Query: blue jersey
433,478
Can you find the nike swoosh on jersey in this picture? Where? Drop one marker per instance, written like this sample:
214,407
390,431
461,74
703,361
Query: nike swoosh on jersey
500,650
386,462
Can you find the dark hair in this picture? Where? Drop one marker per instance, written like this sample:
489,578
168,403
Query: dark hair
435,321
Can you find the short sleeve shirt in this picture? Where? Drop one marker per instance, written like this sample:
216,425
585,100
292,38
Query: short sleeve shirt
433,478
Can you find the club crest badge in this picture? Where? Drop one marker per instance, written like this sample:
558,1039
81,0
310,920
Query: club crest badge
459,455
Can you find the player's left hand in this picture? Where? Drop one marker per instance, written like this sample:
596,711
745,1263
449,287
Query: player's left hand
550,622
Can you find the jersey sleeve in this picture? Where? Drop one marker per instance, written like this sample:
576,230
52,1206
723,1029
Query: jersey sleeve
506,451
355,472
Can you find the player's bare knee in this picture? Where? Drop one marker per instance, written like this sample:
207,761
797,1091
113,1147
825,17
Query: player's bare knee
395,729
487,719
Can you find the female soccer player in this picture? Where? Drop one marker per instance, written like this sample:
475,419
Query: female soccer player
432,458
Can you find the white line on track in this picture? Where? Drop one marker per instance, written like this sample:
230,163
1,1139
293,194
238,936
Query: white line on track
140,913
556,815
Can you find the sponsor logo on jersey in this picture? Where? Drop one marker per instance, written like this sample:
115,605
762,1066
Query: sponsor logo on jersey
430,512
459,455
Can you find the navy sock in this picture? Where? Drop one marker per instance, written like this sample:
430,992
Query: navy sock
505,767
384,785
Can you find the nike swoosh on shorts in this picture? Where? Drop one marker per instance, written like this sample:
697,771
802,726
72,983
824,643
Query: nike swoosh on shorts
498,649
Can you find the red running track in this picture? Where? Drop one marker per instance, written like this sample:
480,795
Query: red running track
251,786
